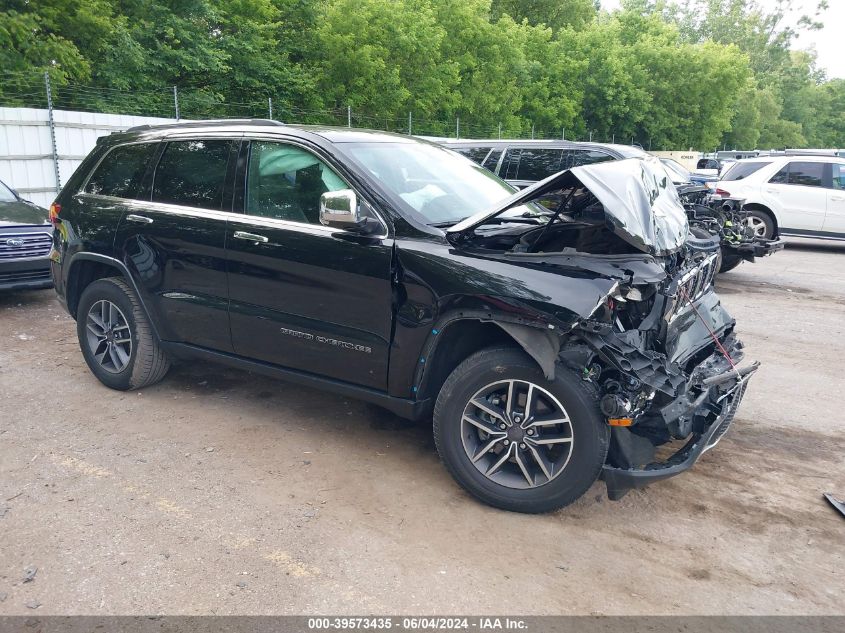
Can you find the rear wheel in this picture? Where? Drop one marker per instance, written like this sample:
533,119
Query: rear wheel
116,338
516,440
760,224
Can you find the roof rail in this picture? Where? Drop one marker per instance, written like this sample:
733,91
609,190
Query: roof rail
203,123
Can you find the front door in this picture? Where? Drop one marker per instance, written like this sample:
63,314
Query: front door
305,296
173,242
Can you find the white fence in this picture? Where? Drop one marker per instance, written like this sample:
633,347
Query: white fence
30,162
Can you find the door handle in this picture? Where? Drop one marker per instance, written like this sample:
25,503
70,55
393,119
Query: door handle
139,218
252,237
774,191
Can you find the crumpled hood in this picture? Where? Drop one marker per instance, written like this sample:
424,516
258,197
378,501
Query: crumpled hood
640,202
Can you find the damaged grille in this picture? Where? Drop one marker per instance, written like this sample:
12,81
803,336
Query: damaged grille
693,283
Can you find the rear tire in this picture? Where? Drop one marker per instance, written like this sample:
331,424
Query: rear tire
116,338
760,224
521,483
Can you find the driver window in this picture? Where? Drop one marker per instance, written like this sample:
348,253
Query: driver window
285,182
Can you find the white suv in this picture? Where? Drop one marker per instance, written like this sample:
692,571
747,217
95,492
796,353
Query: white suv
800,196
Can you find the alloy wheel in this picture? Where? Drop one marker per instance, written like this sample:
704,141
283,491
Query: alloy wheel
108,336
517,434
757,225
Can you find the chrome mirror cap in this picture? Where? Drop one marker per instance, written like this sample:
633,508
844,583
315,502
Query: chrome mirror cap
339,209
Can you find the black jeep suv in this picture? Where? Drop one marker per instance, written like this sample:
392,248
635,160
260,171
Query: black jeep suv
557,335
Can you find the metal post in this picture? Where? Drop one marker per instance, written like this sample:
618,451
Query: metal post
457,127
532,131
591,136
176,101
270,106
349,116
563,135
409,124
52,129
500,129
614,139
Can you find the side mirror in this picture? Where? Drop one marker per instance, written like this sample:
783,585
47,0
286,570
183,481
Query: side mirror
339,209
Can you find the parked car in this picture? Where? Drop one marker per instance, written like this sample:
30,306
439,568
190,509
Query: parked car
522,163
25,242
681,175
796,196
551,346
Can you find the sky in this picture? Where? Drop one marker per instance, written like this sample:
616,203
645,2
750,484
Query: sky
827,42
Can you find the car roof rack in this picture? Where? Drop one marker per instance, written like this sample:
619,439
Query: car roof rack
203,123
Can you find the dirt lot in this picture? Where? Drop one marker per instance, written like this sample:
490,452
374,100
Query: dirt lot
222,492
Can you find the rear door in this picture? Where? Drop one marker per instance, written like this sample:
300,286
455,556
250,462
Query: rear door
834,220
303,295
798,196
173,242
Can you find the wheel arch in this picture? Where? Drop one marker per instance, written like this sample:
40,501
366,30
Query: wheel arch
86,268
457,339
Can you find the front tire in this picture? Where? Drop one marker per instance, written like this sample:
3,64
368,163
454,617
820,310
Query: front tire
116,338
514,439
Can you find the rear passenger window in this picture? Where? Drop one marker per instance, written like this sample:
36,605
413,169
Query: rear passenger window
475,154
192,173
807,174
119,173
537,164
800,173
588,157
492,160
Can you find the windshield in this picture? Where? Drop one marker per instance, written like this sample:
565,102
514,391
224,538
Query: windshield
6,194
677,169
438,184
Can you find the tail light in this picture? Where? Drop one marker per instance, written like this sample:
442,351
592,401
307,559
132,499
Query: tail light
55,209
722,193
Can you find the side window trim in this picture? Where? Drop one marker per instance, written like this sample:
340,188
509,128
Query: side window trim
242,176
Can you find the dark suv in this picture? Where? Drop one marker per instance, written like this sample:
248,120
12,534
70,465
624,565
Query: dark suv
556,335
522,163
25,241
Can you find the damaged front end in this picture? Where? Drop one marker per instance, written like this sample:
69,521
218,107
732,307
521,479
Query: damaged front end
667,374
660,348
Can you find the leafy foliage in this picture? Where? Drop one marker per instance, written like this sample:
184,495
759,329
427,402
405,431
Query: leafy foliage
665,73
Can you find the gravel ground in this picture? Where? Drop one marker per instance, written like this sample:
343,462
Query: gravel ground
222,492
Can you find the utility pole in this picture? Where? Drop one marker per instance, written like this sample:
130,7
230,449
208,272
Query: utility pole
500,130
52,129
270,106
349,116
410,121
176,101
591,136
563,134
457,127
532,131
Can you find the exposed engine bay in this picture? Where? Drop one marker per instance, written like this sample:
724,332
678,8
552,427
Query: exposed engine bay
660,349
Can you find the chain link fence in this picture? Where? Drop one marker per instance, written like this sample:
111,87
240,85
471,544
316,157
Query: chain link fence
30,89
